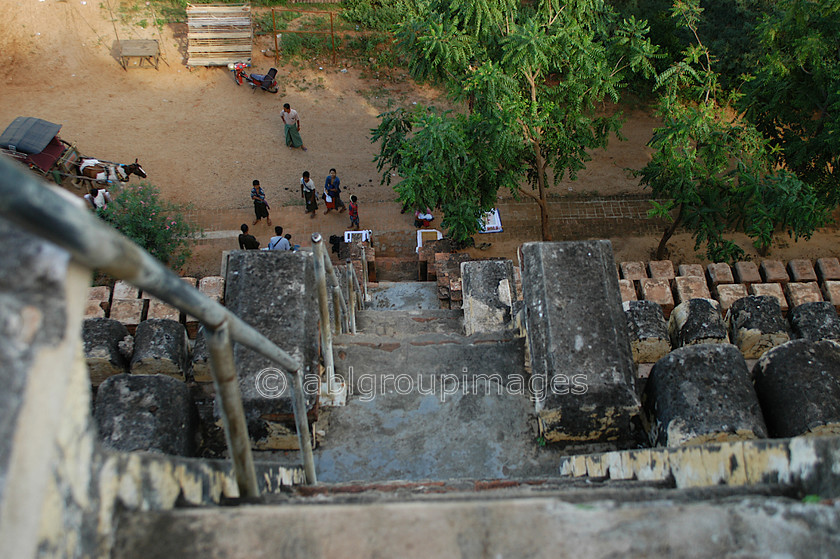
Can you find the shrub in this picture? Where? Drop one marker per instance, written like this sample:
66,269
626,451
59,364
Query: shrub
157,225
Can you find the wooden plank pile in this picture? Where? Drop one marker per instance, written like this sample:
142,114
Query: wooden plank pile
218,34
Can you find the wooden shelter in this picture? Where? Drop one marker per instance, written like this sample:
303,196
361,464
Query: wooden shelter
218,34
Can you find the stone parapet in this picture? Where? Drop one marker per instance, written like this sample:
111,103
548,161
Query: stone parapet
756,324
648,331
108,347
161,348
488,293
815,322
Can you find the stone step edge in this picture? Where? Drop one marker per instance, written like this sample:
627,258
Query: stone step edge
797,461
422,339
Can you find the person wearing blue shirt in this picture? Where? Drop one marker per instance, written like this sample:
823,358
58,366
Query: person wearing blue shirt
332,193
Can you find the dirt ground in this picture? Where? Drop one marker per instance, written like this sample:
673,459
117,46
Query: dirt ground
202,139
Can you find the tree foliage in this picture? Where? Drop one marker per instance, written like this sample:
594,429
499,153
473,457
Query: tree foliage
534,76
713,168
157,225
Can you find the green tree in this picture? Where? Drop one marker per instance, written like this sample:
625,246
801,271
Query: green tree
793,96
157,225
534,78
712,168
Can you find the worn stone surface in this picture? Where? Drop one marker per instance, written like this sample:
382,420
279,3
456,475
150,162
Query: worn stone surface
801,270
771,290
719,272
828,269
773,271
692,270
691,287
661,269
659,292
130,312
213,287
146,412
633,271
756,324
100,293
577,329
746,272
815,321
628,290
124,290
648,331
702,393
831,293
798,385
274,291
160,310
95,309
405,323
108,348
728,293
697,321
201,359
801,293
160,348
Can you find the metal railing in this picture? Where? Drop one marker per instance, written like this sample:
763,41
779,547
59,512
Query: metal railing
59,217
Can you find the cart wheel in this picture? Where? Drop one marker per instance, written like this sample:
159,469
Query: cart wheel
273,89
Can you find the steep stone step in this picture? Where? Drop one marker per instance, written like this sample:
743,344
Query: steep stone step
403,295
394,323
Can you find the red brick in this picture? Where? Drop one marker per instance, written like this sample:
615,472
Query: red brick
628,290
773,290
773,271
828,269
801,270
799,293
159,309
831,293
129,311
633,270
728,293
99,293
692,270
124,290
658,291
661,269
213,287
747,273
94,309
719,272
691,287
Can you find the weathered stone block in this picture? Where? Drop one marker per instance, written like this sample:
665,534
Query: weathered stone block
154,413
274,291
100,293
700,394
801,270
661,269
628,290
773,271
798,385
488,292
815,322
691,287
130,312
728,293
697,321
772,290
633,271
124,290
95,309
164,311
213,287
580,352
831,293
108,348
746,273
201,359
692,270
801,293
828,269
648,331
659,292
719,272
756,324
160,348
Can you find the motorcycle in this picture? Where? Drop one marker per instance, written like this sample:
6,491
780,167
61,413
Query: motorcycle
266,82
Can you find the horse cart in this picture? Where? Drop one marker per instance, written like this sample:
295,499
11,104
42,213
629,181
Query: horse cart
35,143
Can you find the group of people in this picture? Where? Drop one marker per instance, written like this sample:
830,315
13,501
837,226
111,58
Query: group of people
278,242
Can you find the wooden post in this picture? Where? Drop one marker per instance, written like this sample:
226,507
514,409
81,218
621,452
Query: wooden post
274,32
332,35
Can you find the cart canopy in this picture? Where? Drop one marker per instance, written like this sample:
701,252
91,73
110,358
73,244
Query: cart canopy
28,134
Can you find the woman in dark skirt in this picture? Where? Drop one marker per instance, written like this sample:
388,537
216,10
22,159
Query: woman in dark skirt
260,205
307,190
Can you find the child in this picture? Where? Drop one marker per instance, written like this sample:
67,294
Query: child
353,212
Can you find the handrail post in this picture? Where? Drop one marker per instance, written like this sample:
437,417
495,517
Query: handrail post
365,274
223,369
302,426
351,292
323,304
337,314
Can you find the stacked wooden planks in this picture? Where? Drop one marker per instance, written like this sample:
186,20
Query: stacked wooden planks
218,34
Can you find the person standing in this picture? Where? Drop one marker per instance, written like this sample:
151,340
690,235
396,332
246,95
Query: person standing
279,242
292,127
97,198
261,207
332,191
307,191
354,213
246,240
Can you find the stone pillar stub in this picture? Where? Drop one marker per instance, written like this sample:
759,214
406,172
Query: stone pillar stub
648,331
488,291
702,393
146,412
201,359
756,324
815,322
108,348
160,348
275,292
697,321
798,385
580,351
